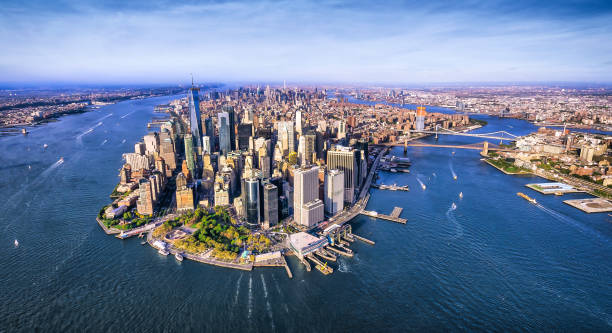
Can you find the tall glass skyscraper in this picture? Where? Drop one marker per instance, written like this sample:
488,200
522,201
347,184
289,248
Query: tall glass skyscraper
194,117
224,137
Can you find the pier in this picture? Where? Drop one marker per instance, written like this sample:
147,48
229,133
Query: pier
393,187
394,217
323,268
363,239
341,252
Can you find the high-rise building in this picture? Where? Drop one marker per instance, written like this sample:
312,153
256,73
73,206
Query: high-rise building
345,159
420,118
194,118
307,207
341,130
151,141
245,132
286,136
184,194
167,150
298,121
206,146
252,201
189,154
224,137
232,125
270,205
209,129
334,191
310,152
144,205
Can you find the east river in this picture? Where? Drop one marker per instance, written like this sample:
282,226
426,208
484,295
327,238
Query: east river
487,261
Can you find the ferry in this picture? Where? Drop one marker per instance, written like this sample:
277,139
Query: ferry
178,256
526,197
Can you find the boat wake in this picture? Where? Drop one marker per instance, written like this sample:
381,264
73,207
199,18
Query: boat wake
123,141
89,130
108,115
237,290
250,304
268,306
422,184
450,166
450,215
573,223
52,167
104,142
343,266
127,114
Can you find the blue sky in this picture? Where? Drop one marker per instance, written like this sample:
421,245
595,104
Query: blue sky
304,41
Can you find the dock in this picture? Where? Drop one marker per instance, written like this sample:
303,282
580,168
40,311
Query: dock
393,187
363,239
341,252
394,217
323,268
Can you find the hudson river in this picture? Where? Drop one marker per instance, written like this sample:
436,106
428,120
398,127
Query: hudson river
488,261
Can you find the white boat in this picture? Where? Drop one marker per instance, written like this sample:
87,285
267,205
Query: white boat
460,195
178,256
45,146
16,243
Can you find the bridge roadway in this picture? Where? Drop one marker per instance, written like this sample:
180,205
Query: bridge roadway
450,146
468,134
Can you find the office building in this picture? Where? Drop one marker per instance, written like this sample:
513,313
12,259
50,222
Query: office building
420,118
345,159
144,204
307,207
252,201
270,205
334,191
190,154
194,118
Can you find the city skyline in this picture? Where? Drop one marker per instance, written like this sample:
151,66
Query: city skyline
335,41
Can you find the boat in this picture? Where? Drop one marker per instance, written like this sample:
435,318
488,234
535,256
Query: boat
558,193
455,177
460,195
16,243
143,242
62,159
163,252
24,131
526,197
423,186
45,146
178,256
393,170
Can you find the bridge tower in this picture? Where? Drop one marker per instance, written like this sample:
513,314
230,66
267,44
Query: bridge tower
485,149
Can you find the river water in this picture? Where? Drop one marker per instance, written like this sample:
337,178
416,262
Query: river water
490,260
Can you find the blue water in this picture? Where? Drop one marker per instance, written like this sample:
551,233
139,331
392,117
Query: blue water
496,262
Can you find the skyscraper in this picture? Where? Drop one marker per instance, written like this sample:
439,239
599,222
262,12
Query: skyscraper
334,191
231,120
209,128
194,118
420,118
298,121
189,153
345,159
307,207
224,133
286,136
252,201
270,205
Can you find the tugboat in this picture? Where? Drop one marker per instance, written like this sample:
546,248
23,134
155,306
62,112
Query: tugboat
526,197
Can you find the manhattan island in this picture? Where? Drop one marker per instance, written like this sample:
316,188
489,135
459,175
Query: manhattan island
242,178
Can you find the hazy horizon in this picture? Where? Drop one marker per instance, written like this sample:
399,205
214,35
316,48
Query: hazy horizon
341,42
